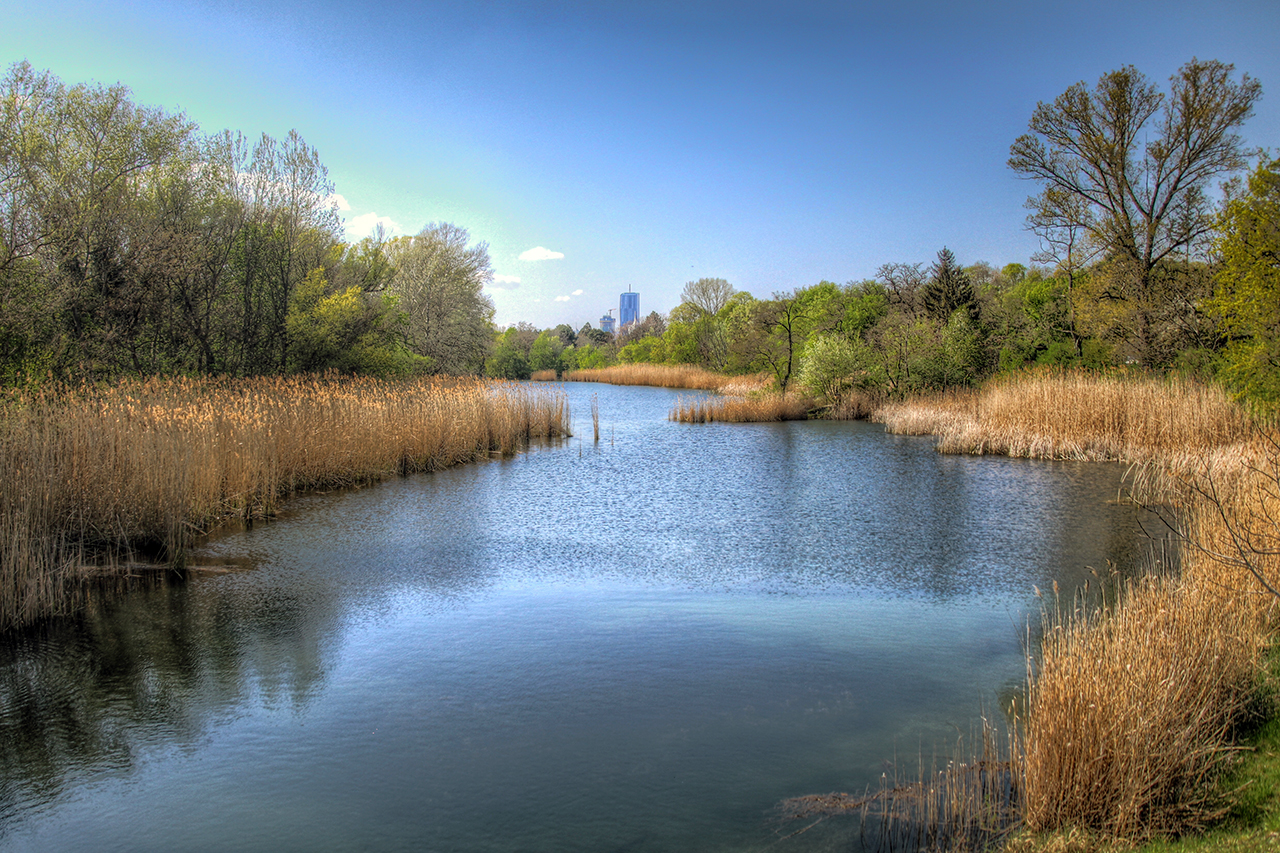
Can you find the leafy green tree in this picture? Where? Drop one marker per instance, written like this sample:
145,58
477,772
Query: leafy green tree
508,361
1131,169
346,330
833,364
593,336
866,304
1247,296
708,294
568,337
649,349
545,352
782,323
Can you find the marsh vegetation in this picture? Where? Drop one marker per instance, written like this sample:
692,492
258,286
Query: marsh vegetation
134,471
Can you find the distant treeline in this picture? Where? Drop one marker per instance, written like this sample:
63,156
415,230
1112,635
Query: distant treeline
1140,265
134,244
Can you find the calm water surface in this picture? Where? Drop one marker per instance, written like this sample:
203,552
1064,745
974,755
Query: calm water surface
641,644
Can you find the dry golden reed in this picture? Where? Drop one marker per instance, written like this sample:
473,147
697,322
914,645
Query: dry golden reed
669,376
147,465
1132,707
543,376
1076,415
757,408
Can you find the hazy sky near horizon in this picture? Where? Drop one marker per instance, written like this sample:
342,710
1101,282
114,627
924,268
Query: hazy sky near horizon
647,144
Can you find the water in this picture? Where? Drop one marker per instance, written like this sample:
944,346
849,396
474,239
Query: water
642,644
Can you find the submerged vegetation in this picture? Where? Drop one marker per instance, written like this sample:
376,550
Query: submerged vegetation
100,474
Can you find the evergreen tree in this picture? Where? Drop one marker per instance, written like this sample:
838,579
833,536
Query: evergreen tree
948,289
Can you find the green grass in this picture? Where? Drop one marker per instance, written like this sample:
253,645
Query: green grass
1254,821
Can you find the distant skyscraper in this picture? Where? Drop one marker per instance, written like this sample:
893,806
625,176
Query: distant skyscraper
607,322
630,309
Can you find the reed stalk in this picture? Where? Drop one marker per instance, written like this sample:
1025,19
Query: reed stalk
94,474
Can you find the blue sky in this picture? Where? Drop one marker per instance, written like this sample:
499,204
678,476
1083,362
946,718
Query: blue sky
651,143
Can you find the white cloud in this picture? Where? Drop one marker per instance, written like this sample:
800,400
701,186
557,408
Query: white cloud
505,282
562,299
538,253
577,293
359,227
338,201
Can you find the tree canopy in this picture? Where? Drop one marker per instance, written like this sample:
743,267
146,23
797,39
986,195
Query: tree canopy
1132,168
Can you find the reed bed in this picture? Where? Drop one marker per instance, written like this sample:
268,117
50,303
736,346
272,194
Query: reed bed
103,473
1134,704
1133,707
757,408
855,405
669,376
1077,415
543,376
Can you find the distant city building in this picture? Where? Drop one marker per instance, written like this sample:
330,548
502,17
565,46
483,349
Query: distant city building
630,309
608,323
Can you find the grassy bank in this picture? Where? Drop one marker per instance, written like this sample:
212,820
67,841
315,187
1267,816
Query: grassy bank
105,473
1130,724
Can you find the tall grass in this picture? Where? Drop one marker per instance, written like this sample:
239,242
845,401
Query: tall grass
1132,708
1133,705
733,409
669,376
1076,415
543,376
96,472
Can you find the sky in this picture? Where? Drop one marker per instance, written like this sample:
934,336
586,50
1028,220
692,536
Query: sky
599,146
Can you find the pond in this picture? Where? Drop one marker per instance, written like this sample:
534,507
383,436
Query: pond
644,643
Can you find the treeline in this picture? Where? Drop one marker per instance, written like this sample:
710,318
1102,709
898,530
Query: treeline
133,244
1140,265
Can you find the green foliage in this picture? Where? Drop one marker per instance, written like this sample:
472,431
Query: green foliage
1247,295
948,289
588,357
508,360
865,305
833,364
345,331
545,353
1127,172
439,280
964,358
1096,354
648,348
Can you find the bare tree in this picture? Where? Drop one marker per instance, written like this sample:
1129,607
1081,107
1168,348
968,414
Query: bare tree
903,282
1132,168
